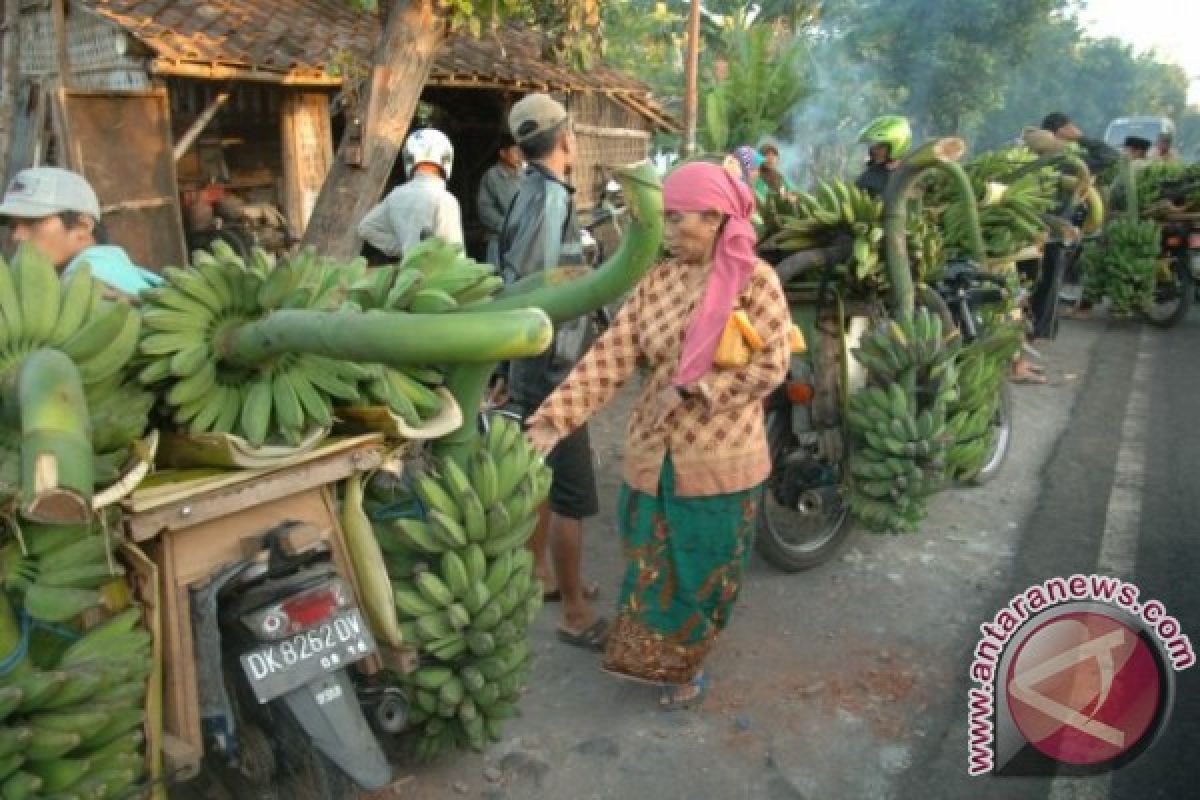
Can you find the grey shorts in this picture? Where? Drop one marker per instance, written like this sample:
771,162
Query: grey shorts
573,490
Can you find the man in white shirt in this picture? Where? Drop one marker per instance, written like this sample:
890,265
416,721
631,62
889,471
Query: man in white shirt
421,208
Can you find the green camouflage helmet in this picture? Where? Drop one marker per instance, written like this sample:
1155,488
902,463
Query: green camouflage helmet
891,130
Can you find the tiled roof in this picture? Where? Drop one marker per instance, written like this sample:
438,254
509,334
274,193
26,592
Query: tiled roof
298,38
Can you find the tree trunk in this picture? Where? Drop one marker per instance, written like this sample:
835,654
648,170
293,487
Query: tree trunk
10,68
412,33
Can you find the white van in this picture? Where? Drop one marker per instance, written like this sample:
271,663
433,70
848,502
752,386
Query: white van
1149,128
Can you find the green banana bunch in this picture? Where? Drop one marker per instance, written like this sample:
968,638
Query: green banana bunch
434,277
282,399
72,712
982,369
465,587
1123,264
899,437
895,346
926,247
40,310
810,220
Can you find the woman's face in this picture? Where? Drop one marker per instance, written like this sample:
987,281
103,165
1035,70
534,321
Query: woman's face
690,235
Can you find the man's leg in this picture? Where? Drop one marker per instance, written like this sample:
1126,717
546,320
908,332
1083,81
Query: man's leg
566,547
537,545
572,499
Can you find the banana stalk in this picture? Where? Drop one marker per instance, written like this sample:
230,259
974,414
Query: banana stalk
1129,177
394,338
56,440
567,293
938,154
565,300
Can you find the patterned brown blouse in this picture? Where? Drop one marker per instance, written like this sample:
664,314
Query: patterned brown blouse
715,438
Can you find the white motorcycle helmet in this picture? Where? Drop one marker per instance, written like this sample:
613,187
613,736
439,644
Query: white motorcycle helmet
428,146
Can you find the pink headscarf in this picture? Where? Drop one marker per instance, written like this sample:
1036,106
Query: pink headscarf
700,186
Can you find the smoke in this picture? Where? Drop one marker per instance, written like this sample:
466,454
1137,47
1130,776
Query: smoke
820,138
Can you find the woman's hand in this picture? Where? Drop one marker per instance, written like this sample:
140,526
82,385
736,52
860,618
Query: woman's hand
542,437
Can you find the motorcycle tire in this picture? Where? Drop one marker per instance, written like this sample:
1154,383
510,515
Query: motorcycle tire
1003,423
1172,314
775,523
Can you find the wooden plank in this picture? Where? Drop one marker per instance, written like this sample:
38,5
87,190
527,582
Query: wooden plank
615,133
136,205
185,514
121,142
201,122
156,494
221,71
307,154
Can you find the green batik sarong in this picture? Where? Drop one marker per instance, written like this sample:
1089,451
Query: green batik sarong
684,562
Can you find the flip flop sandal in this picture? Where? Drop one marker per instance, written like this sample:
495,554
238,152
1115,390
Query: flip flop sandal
590,592
1033,379
672,701
592,637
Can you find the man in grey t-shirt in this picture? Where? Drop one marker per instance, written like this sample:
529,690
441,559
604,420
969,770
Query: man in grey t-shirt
541,232
497,190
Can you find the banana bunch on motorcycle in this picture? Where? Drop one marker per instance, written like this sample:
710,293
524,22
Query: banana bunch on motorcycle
465,590
899,433
836,208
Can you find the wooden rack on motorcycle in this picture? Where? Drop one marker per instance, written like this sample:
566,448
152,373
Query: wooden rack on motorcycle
910,308
257,530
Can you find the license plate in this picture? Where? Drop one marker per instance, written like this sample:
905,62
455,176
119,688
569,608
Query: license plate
282,666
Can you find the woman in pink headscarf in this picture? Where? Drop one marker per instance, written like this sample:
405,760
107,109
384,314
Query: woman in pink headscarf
695,450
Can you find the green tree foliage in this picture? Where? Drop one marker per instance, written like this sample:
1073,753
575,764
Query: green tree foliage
763,75
951,58
1092,80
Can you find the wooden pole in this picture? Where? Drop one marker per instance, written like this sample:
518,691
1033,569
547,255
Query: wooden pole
193,133
58,13
10,68
690,95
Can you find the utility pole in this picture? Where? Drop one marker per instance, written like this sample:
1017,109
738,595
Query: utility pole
690,98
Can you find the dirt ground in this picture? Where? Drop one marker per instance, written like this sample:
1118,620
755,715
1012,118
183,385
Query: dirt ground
823,685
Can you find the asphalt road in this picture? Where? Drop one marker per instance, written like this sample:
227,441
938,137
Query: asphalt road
1081,497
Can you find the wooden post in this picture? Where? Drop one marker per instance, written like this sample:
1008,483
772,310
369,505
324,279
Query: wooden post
58,13
690,95
307,154
10,68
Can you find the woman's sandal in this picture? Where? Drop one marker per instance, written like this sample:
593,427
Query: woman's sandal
674,698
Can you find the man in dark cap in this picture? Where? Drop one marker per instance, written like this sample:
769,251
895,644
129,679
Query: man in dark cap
497,190
1137,148
1096,154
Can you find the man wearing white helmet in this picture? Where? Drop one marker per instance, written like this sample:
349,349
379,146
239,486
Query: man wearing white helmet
421,208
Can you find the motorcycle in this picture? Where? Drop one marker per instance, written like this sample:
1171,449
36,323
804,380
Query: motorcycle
1175,287
276,634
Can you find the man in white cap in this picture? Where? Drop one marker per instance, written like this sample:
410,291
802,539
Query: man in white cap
541,232
421,208
56,211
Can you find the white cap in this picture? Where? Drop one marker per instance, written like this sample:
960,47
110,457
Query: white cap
44,191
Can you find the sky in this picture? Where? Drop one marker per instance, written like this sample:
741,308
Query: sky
1168,26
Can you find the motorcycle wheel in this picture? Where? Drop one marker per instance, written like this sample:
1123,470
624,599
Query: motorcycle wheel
1172,303
1003,425
796,539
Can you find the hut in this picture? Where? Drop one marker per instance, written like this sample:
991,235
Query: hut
185,113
